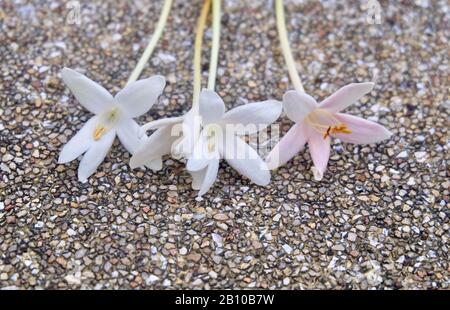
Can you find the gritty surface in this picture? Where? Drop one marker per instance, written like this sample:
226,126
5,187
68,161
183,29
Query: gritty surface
379,219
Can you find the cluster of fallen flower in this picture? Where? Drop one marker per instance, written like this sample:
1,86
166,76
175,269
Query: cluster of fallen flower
199,136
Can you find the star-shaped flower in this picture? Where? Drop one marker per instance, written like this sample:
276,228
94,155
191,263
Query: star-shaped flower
317,123
219,139
173,135
113,115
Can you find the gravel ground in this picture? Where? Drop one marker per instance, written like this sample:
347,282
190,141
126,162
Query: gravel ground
379,219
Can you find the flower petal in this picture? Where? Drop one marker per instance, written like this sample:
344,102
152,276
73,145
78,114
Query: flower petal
153,148
201,155
155,164
138,97
211,106
190,131
89,94
298,105
197,178
79,143
254,116
245,160
320,153
210,176
363,131
292,143
95,155
127,131
346,96
159,123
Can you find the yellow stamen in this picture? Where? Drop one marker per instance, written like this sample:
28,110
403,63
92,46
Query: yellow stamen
211,139
106,121
210,146
326,130
341,128
99,132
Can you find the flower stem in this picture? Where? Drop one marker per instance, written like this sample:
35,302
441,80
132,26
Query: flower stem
215,44
153,41
201,23
290,63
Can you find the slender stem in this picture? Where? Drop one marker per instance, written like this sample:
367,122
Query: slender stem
215,44
290,63
201,23
152,44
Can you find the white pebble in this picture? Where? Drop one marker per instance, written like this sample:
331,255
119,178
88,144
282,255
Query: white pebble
287,248
403,154
151,279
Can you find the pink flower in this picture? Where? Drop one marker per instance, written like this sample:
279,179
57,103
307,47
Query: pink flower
315,124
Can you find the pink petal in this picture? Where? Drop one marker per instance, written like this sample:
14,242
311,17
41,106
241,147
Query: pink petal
292,143
363,131
320,153
346,96
298,105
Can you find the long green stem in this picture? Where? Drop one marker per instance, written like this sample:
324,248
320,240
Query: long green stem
215,44
198,52
290,63
152,44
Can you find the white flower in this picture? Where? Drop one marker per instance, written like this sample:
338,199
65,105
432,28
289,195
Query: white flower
219,139
113,115
173,135
178,136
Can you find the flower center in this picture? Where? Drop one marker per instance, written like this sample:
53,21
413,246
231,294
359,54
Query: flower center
213,133
326,124
106,121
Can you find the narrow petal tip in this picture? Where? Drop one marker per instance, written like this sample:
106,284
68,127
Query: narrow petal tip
82,178
160,81
61,159
317,173
271,163
264,181
367,86
388,133
134,163
67,73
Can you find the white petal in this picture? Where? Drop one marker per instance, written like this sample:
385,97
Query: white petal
138,97
90,94
152,148
298,105
190,133
160,123
197,178
346,96
155,164
244,159
95,155
127,131
211,107
200,156
254,116
79,143
210,176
